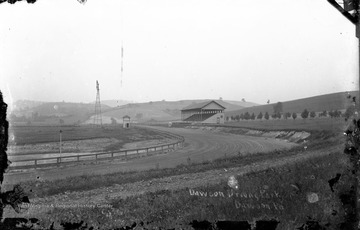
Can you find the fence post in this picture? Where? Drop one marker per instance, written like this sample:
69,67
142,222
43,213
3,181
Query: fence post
112,155
78,158
35,163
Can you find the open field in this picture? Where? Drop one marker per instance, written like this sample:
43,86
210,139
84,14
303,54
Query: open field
317,124
21,135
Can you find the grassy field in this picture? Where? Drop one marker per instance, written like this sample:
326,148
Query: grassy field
44,134
283,194
317,124
292,196
88,182
319,103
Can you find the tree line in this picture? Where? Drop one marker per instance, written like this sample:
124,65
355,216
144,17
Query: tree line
278,114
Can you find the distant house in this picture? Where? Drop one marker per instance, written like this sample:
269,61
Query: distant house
205,112
126,121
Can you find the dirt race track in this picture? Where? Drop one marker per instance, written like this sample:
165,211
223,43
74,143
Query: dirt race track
199,146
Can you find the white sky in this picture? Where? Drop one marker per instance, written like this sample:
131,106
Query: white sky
55,50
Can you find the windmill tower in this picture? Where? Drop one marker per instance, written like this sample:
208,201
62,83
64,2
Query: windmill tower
97,117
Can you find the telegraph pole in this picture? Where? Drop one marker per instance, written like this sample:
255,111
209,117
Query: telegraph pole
59,159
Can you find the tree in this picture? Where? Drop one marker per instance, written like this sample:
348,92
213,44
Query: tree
113,121
323,114
247,116
266,116
61,121
243,100
335,113
294,116
305,114
241,116
287,115
260,116
278,115
252,117
278,108
349,112
35,116
339,113
312,114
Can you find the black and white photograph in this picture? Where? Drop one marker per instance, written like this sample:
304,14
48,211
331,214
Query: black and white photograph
179,114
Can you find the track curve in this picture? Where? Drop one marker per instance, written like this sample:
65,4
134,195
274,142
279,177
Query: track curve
199,145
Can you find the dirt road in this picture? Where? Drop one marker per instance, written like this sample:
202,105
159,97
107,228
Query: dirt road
199,146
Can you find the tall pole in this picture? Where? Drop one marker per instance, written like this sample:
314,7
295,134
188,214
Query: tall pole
60,144
97,117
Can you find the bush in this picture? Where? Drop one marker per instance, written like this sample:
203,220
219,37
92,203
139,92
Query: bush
252,117
287,115
312,114
267,116
305,114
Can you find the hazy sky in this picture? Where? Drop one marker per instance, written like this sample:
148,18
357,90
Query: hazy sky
55,50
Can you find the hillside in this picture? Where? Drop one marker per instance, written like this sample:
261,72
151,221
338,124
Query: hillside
21,105
115,103
159,110
328,102
52,112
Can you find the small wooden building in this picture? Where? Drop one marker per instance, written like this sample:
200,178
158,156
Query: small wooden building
126,121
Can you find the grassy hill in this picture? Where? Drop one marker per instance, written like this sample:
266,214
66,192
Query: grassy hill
159,110
52,112
328,102
115,103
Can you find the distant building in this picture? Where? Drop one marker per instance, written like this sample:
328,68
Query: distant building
126,121
206,112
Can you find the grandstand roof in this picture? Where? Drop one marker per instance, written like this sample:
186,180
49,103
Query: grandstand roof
201,105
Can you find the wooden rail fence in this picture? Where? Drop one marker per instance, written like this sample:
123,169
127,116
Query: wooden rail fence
125,154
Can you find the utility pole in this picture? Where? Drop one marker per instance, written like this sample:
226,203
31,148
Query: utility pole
60,145
349,190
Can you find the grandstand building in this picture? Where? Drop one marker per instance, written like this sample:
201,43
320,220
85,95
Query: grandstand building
205,112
